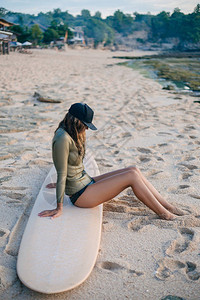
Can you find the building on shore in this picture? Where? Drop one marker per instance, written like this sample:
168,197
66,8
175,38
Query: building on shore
78,36
78,39
5,36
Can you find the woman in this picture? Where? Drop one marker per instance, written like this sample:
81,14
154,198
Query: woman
68,150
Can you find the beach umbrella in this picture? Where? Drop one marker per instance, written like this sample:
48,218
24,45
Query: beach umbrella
13,44
26,43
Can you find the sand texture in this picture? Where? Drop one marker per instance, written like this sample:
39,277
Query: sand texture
140,256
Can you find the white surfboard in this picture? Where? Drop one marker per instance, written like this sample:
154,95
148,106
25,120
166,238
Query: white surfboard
58,255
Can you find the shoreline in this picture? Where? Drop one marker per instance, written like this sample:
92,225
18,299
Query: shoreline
142,256
176,73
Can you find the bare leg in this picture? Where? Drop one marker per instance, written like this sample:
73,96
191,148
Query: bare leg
107,188
156,194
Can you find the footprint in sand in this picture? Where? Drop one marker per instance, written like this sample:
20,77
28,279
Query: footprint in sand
14,197
188,166
145,218
4,232
167,267
115,208
188,158
139,222
191,271
17,188
127,204
180,136
5,178
164,133
195,196
186,175
116,268
162,145
189,128
154,172
183,243
144,158
124,206
159,158
184,186
144,150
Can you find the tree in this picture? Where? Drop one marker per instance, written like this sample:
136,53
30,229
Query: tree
50,35
85,13
197,9
97,15
99,31
160,26
176,24
36,34
142,21
22,32
122,23
3,12
57,13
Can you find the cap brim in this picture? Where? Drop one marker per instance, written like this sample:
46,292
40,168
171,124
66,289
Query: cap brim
90,125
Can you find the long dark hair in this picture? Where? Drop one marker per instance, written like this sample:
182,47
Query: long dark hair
75,128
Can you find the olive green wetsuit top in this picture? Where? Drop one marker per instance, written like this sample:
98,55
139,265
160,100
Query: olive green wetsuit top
71,176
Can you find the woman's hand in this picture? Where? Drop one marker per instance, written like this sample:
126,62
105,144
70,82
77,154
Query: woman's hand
51,185
54,213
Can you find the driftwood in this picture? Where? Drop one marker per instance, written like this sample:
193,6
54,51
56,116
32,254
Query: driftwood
40,98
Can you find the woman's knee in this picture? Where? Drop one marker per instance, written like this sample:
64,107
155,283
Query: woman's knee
133,171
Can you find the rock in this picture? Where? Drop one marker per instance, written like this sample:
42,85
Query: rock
7,277
170,297
169,87
40,98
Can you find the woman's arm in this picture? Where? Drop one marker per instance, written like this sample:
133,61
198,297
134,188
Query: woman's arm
60,149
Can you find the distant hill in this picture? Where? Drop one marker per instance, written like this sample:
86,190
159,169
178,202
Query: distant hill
177,30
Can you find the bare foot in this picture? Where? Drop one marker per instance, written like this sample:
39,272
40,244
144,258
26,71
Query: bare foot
176,211
51,185
167,216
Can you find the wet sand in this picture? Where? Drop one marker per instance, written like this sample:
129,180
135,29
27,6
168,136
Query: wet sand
141,256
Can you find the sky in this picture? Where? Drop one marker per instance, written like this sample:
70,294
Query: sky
106,7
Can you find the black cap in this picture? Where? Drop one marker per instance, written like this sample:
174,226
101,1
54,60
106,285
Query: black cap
84,113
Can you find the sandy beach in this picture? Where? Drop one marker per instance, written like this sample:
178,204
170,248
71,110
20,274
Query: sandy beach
139,123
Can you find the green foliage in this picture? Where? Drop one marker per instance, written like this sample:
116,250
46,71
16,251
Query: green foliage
97,15
177,72
160,26
57,30
142,21
182,71
122,23
85,13
183,28
22,32
50,35
3,12
99,31
36,34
